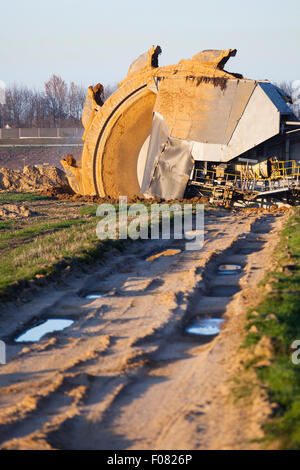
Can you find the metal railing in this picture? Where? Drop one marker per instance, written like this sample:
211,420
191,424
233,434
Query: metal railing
285,174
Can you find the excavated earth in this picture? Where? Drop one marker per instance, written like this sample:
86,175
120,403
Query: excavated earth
125,374
32,179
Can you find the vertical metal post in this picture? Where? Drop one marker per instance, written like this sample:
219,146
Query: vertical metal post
287,147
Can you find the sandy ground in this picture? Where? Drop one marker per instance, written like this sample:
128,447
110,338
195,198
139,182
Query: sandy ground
125,375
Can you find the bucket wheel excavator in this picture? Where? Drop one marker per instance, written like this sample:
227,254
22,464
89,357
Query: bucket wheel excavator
146,137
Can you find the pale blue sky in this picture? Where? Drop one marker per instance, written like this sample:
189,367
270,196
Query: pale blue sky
89,41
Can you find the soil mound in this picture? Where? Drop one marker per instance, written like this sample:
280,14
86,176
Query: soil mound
12,211
32,179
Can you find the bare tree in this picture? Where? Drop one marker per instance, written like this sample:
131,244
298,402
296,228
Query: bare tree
38,111
76,99
290,95
286,87
59,104
56,91
16,101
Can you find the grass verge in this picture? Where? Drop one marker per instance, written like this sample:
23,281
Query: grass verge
272,328
49,254
38,248
11,198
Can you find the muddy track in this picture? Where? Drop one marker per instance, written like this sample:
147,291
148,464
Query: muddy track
125,375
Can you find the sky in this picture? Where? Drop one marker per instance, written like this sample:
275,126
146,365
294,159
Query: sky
91,41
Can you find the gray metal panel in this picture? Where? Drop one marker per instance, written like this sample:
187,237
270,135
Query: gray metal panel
259,122
217,112
212,112
244,90
209,152
172,170
158,139
204,112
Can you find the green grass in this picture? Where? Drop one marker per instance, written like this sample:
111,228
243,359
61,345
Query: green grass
279,319
10,198
91,210
30,248
38,229
49,253
88,210
5,224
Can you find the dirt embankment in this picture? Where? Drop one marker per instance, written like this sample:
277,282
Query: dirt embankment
32,179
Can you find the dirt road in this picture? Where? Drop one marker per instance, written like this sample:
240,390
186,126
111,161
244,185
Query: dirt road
125,375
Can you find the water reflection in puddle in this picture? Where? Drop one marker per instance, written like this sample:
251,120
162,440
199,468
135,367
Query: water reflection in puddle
229,269
93,296
205,327
223,291
37,332
246,251
164,253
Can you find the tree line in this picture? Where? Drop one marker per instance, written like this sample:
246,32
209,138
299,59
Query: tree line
59,104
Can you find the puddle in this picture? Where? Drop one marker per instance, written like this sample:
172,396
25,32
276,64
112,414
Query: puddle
93,296
246,251
37,332
205,327
229,269
251,248
223,291
164,253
